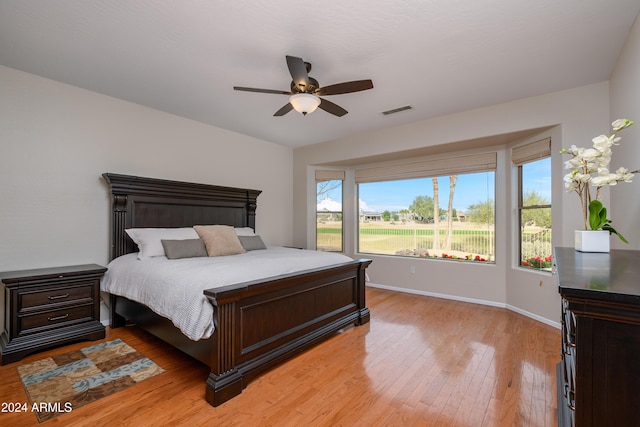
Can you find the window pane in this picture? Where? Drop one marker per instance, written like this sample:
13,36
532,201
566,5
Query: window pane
535,215
536,240
400,218
329,216
536,182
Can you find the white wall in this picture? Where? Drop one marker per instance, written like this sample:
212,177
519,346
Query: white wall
56,140
576,115
625,103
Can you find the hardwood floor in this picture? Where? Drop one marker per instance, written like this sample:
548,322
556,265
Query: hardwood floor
420,362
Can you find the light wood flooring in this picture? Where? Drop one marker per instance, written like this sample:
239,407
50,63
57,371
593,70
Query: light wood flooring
420,362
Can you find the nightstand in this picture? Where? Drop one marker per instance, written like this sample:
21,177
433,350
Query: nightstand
49,307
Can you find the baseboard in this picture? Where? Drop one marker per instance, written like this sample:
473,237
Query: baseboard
541,319
469,300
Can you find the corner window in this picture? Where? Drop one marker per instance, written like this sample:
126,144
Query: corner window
329,230
534,207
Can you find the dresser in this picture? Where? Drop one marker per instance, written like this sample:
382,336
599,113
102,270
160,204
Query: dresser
599,375
49,307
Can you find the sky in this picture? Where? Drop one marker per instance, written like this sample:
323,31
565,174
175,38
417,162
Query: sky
470,189
396,195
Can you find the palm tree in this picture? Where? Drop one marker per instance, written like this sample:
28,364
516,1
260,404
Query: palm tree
452,189
436,215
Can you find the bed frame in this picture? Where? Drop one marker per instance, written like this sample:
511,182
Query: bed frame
257,324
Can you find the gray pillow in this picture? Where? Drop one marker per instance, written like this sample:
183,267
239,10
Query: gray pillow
251,243
188,248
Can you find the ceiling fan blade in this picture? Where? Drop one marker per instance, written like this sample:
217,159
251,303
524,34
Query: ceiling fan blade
298,71
251,89
284,110
332,108
347,87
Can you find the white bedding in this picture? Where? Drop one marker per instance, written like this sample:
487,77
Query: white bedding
174,288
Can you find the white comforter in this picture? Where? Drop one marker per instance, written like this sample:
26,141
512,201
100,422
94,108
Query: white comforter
174,288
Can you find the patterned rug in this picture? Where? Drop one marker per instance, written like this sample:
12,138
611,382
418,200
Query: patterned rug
60,384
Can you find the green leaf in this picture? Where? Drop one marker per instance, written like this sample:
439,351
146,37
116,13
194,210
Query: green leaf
611,230
598,219
597,215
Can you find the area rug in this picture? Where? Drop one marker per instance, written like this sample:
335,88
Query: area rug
60,384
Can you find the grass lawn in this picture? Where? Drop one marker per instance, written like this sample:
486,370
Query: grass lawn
469,240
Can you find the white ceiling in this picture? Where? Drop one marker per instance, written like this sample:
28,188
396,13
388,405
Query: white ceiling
439,56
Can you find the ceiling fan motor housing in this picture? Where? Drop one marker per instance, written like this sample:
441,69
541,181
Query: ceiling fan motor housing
311,86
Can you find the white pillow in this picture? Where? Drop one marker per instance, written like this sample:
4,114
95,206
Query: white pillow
245,231
149,240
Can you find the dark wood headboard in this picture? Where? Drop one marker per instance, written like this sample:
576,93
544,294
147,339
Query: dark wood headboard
139,202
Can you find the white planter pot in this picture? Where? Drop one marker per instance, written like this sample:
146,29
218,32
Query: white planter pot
592,241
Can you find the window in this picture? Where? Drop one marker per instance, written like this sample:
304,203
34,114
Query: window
441,209
329,210
534,204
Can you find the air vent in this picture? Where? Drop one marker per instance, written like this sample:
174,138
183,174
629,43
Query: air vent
397,110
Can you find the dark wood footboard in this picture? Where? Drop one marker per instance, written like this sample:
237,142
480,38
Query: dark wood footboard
262,323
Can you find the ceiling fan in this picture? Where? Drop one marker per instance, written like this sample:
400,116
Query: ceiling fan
306,91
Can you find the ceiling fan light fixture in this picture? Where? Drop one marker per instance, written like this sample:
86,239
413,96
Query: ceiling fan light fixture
304,103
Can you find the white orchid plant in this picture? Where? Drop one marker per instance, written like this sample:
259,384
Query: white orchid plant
590,167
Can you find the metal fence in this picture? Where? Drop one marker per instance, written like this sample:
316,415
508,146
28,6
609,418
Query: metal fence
468,241
420,242
536,248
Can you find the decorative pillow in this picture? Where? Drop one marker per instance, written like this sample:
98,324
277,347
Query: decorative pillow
245,231
220,240
251,243
149,239
188,248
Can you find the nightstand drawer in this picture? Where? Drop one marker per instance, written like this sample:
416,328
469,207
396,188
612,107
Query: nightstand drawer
38,322
36,299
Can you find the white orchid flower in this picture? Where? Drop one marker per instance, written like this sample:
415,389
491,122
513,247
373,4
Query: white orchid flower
620,124
603,161
573,163
569,184
600,181
602,143
590,154
575,150
582,177
623,174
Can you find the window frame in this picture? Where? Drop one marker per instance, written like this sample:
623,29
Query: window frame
333,176
542,155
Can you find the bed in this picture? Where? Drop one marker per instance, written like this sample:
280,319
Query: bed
257,324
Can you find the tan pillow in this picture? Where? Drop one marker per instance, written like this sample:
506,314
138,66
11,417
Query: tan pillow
219,240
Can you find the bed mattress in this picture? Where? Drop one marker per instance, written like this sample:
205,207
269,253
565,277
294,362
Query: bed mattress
174,288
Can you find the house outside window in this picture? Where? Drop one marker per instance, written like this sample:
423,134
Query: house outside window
534,204
438,209
329,224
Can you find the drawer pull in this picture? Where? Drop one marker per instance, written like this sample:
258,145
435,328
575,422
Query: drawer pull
571,399
54,297
53,319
